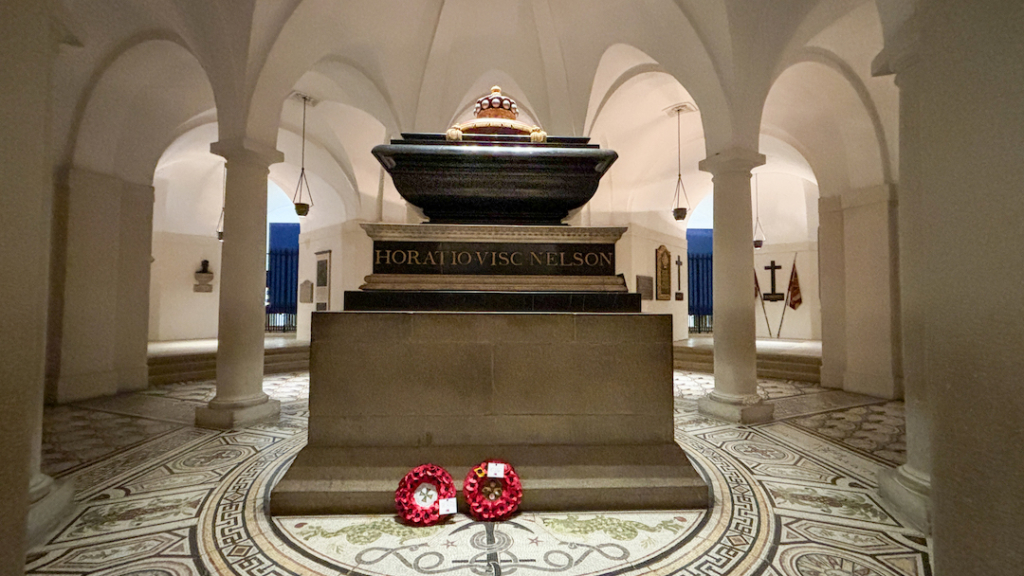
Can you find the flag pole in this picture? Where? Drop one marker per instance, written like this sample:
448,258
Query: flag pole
789,290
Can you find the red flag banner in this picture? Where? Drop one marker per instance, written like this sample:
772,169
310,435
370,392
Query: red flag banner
795,300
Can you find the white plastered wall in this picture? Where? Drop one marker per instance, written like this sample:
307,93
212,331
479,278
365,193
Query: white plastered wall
635,255
188,185
350,249
789,216
176,312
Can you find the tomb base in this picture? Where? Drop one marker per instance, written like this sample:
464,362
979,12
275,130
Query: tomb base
362,480
580,404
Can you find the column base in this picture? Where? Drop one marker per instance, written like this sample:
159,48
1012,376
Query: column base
52,502
130,379
750,410
908,491
226,418
832,377
878,385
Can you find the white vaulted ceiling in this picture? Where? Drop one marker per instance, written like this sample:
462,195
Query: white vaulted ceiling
149,72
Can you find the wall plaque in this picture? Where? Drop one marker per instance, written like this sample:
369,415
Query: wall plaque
306,292
645,286
663,273
322,289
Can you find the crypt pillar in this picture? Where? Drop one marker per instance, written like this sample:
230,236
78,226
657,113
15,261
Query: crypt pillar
735,395
240,399
871,281
832,282
908,487
32,503
99,327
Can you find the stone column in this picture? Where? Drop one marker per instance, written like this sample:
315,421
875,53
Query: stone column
135,255
908,487
871,257
31,502
735,396
832,272
240,399
104,315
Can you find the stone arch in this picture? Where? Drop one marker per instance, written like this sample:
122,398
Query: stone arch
819,105
622,62
330,39
633,119
350,86
818,102
845,70
133,108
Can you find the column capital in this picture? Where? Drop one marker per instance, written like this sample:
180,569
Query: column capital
247,150
734,159
902,50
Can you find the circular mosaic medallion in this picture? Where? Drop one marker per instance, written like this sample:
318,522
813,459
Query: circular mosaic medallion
734,535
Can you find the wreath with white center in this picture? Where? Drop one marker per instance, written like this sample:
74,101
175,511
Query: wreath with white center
425,495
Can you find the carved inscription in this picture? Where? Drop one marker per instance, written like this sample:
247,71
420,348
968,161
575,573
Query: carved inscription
493,258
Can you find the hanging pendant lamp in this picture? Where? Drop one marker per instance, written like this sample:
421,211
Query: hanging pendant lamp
223,198
679,212
759,237
301,207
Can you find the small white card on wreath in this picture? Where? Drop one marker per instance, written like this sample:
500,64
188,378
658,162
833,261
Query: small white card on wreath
446,506
495,470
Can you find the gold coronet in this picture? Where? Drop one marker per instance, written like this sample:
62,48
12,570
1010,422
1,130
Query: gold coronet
496,113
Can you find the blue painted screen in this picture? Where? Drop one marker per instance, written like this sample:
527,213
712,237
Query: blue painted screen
699,244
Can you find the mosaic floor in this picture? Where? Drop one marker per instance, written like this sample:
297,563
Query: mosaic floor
157,497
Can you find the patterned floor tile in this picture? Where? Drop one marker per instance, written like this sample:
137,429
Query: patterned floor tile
74,436
823,401
793,498
145,406
876,430
196,391
289,387
773,389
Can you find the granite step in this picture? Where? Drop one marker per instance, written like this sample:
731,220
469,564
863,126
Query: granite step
203,366
769,365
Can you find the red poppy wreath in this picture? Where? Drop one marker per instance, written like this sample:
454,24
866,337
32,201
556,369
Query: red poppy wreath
492,490
425,495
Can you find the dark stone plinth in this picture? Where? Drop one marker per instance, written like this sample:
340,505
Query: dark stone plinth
464,301
494,179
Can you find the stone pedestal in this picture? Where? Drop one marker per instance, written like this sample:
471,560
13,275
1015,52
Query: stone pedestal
580,404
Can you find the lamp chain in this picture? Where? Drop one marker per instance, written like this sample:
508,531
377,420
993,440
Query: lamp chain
757,210
679,164
297,198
